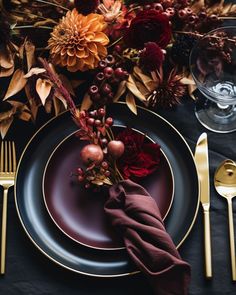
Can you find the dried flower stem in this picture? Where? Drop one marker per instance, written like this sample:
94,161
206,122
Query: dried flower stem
33,27
227,17
53,77
53,4
202,35
115,42
35,16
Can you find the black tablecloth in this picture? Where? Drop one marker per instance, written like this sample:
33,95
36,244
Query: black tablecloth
30,272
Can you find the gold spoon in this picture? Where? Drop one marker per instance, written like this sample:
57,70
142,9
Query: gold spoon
225,184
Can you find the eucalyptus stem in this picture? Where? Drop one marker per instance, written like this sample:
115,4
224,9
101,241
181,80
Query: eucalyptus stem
53,4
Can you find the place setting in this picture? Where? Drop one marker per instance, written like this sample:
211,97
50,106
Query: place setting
107,187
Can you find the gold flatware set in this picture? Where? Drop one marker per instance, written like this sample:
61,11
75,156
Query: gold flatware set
225,185
224,181
7,179
202,163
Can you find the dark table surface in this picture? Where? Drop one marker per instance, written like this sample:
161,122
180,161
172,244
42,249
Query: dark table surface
30,272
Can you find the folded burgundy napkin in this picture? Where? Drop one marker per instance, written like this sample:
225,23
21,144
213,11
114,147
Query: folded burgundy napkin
135,213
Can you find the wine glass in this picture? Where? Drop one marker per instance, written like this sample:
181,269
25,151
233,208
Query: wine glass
213,67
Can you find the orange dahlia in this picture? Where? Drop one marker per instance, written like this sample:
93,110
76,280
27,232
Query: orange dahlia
78,42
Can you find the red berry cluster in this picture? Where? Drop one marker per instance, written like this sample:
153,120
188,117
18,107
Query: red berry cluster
106,81
93,126
201,22
99,155
167,7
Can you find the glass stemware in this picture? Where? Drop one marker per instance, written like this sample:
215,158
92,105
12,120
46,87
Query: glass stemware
213,67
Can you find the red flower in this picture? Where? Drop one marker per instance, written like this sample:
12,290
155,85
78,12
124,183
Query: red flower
148,26
140,158
86,6
151,57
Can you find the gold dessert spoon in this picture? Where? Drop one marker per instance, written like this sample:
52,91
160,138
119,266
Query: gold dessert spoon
225,185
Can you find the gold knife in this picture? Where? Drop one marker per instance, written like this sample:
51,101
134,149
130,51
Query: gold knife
202,163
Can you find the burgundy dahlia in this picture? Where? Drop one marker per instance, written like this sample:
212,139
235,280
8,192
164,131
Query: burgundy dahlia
140,157
148,26
151,57
86,6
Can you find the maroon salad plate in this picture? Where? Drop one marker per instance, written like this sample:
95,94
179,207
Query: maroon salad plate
79,212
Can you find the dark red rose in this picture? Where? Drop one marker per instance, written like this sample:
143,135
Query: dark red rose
148,26
151,57
140,157
85,6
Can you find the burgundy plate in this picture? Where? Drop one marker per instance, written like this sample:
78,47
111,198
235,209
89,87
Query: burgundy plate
78,212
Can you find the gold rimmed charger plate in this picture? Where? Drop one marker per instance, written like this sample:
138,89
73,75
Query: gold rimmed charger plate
62,250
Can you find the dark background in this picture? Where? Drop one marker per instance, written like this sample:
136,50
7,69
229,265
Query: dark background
30,272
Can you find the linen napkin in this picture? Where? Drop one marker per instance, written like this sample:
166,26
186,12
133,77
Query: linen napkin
135,213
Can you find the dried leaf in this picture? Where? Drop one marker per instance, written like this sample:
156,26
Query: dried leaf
191,89
107,181
61,98
17,83
142,88
4,126
226,9
29,50
21,51
66,83
34,71
45,22
76,83
214,9
154,76
133,88
57,106
198,5
32,103
48,106
97,182
120,91
25,115
6,115
43,88
6,59
86,103
144,78
6,72
187,81
130,101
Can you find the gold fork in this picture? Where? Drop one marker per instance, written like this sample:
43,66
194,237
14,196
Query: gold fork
7,179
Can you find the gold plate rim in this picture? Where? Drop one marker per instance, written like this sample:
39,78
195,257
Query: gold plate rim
56,223
77,271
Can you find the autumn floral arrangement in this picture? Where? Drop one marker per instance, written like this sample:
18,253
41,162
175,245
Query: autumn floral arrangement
111,154
102,50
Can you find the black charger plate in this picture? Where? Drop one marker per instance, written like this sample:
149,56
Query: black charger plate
64,251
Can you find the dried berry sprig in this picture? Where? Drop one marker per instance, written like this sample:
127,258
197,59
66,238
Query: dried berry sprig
52,76
106,81
99,156
218,42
